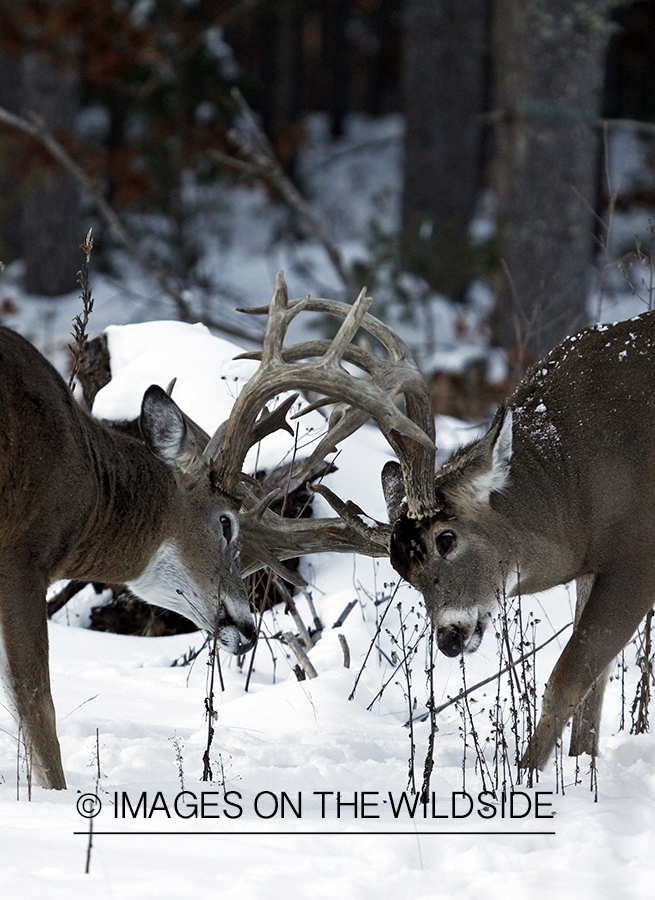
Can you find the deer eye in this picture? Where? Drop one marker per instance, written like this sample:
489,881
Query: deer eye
226,525
445,542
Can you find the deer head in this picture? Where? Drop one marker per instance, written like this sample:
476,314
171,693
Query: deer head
456,554
195,571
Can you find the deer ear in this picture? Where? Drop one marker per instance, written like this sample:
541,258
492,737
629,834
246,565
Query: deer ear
496,474
482,468
393,488
170,434
501,454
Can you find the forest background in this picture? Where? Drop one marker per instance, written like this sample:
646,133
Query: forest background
486,167
511,113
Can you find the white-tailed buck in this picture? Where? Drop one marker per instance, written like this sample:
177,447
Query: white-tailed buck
173,517
561,488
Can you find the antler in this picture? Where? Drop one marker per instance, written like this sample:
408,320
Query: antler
267,538
317,366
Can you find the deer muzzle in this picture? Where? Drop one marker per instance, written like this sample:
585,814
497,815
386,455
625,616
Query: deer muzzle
236,639
456,638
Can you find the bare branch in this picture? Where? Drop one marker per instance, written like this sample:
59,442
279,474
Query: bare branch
260,161
294,644
345,649
37,130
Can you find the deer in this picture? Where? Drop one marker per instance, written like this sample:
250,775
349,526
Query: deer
171,515
561,488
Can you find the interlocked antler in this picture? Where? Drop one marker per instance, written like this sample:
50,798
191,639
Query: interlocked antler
396,375
317,366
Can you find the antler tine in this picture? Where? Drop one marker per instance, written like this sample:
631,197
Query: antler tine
344,421
324,375
252,399
317,366
392,377
349,327
350,514
396,375
417,463
279,320
393,344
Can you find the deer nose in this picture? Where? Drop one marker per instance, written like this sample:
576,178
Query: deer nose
247,638
450,640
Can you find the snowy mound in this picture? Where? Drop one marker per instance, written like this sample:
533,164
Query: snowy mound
209,379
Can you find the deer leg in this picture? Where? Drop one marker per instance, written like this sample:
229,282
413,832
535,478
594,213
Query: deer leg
24,629
585,726
606,624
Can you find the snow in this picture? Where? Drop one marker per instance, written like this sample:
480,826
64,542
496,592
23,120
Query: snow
293,761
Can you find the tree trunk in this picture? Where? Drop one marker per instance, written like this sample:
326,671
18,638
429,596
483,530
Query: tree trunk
51,231
284,79
444,70
10,157
548,58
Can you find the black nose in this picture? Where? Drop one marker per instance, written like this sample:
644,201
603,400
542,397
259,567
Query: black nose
247,639
450,640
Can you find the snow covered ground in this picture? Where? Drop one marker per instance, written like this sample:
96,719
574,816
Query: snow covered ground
290,758
308,784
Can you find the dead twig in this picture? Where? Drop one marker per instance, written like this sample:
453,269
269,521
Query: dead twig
303,633
428,765
293,644
344,615
345,649
81,321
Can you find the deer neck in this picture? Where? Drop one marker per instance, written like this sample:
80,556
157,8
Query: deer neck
544,530
131,499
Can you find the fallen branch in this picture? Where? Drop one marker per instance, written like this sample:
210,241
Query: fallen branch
293,643
346,612
65,594
303,633
345,650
